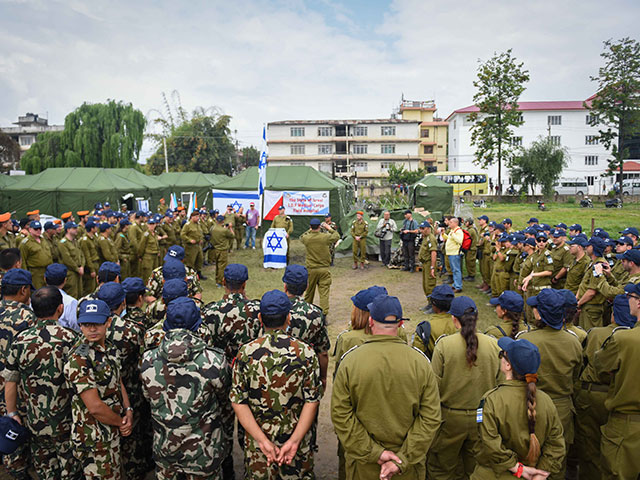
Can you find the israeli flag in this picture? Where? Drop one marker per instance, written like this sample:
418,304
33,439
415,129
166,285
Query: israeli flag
262,165
274,247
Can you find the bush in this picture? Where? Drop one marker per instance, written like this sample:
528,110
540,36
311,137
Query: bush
611,193
571,200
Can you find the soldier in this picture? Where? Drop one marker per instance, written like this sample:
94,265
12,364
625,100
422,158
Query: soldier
275,394
171,270
282,220
172,289
517,240
169,228
517,422
91,258
539,277
562,258
590,298
439,323
72,257
49,239
9,258
35,254
82,221
632,233
134,290
318,259
575,272
192,237
509,307
427,255
221,238
100,407
106,249
466,365
239,228
230,221
617,270
379,438
611,285
154,285
6,237
188,439
123,246
471,255
148,251
484,239
56,276
504,259
35,365
359,232
162,207
108,272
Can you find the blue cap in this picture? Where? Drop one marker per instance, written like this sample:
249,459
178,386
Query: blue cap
609,243
55,273
561,225
109,267
35,224
152,221
124,222
174,269
530,241
533,220
174,288
220,218
89,225
236,273
570,299
559,232
18,277
141,213
632,288
509,300
174,252
621,314
48,226
531,230
133,285
315,222
550,304
442,292
281,207
507,220
579,240
503,238
169,213
93,311
182,313
483,217
523,355
98,206
70,225
363,298
600,233
630,231
425,224
625,241
327,215
384,306
460,304
112,294
295,275
541,235
576,226
275,302
630,255
104,226
598,245
109,213
499,226
12,435
493,224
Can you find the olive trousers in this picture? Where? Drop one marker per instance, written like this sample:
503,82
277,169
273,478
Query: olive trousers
620,446
320,278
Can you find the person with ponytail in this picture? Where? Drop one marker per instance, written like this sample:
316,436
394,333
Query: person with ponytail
519,428
438,323
571,315
467,366
509,306
561,354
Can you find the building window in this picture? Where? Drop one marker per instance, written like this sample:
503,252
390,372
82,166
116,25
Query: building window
325,131
591,181
591,160
388,148
325,167
360,166
27,140
428,148
363,182
297,164
387,131
385,166
325,149
424,133
297,131
520,117
554,120
591,140
591,120
297,149
359,149
517,141
555,140
455,122
360,131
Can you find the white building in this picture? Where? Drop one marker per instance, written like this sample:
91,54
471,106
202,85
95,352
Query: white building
568,123
358,150
28,128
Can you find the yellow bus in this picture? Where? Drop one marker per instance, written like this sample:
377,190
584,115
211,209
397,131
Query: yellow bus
465,183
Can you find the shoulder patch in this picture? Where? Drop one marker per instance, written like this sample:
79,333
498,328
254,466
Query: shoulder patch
24,240
146,234
566,247
571,332
348,352
620,328
421,353
63,240
521,332
439,338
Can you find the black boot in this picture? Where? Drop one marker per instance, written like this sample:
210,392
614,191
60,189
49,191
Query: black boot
202,277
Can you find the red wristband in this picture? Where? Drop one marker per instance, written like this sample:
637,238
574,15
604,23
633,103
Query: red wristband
518,473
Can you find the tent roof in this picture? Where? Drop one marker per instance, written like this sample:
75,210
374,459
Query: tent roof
282,178
76,180
138,177
7,180
432,181
186,179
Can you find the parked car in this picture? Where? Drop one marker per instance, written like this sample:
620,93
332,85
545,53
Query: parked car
576,186
613,203
631,187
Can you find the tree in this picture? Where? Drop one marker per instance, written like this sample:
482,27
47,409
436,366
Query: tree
540,164
616,105
9,152
400,176
106,135
198,142
250,156
500,83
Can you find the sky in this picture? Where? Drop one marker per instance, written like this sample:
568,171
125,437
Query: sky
261,61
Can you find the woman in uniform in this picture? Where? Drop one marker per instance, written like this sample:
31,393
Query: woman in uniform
571,315
509,306
439,323
520,432
467,366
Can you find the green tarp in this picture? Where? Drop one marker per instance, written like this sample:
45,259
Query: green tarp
432,194
7,180
295,178
197,182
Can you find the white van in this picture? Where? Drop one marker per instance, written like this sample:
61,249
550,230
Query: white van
574,186
631,187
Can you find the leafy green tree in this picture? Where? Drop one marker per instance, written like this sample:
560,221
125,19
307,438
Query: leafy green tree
9,152
616,105
399,175
106,135
499,85
540,164
250,156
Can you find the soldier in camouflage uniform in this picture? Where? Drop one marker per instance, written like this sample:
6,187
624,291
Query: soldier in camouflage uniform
108,272
134,290
88,246
173,269
93,370
189,441
34,376
15,317
275,394
154,285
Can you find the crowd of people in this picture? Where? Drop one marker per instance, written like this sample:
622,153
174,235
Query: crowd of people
115,367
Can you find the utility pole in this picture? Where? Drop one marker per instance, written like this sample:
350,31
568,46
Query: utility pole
166,159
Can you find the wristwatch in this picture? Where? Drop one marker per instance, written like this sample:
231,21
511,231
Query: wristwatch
12,414
128,409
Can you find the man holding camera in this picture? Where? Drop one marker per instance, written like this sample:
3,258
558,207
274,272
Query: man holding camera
384,231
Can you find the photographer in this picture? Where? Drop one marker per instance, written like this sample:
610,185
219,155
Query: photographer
384,231
408,236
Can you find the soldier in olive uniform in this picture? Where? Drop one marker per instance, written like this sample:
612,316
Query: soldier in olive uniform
504,258
188,438
106,249
36,256
539,273
124,248
275,394
100,408
239,229
427,255
379,438
590,298
333,227
471,255
230,221
318,261
580,263
49,238
72,257
192,238
91,258
7,239
134,234
484,245
162,207
562,258
282,220
439,323
148,251
359,231
35,365
221,237
509,307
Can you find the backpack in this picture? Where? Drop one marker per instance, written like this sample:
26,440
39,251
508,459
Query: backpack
466,241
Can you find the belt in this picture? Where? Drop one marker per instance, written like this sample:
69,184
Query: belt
633,417
594,387
461,410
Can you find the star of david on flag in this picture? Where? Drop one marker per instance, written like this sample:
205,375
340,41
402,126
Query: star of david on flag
275,248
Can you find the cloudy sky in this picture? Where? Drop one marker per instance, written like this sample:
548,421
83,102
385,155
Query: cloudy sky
261,61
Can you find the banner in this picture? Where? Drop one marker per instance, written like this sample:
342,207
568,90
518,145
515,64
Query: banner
296,203
222,198
274,248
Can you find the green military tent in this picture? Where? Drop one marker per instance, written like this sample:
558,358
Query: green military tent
58,190
199,183
432,194
7,180
156,188
294,178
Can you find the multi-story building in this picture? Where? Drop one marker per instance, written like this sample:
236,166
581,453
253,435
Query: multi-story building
28,128
568,123
433,133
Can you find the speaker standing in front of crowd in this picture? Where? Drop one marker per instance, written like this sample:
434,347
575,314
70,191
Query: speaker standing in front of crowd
428,255
384,231
359,233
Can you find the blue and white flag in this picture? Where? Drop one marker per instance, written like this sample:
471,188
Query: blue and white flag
274,247
262,165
